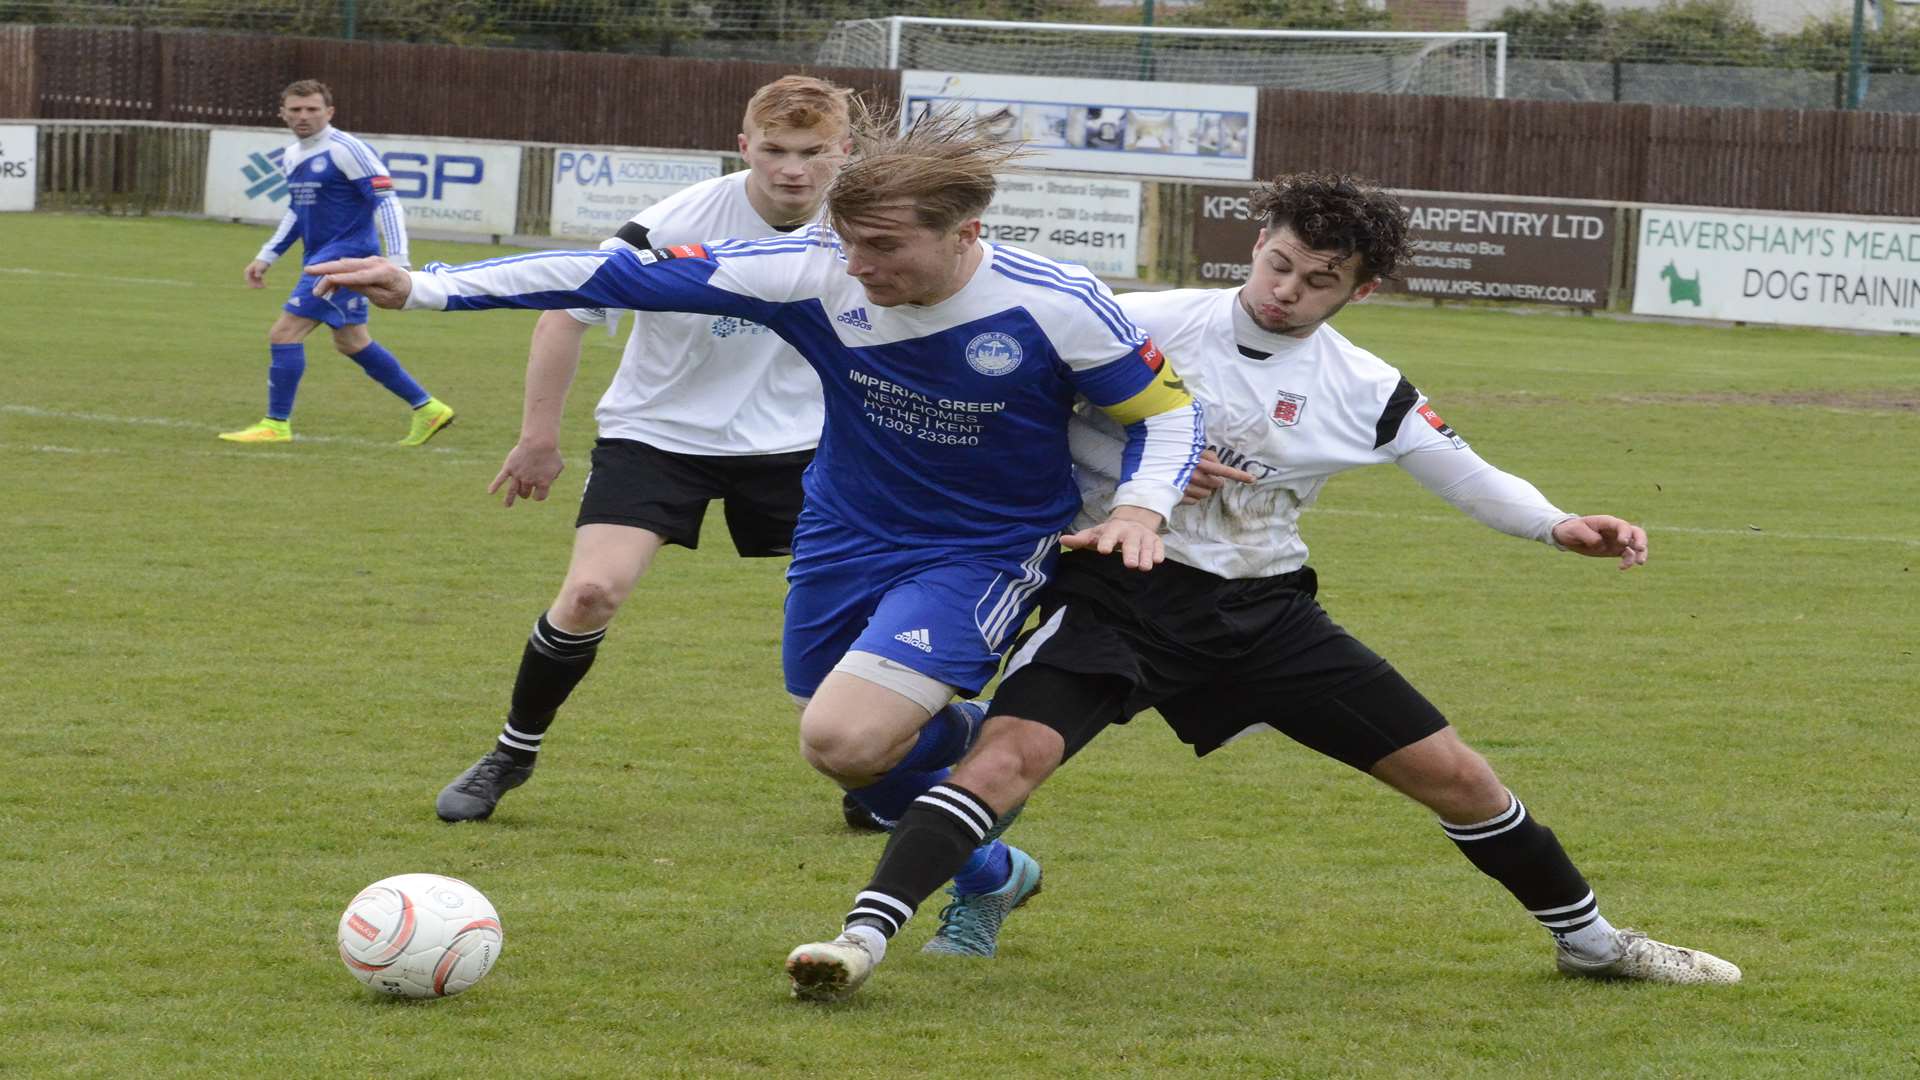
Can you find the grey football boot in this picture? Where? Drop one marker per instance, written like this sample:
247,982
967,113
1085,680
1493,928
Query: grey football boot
474,793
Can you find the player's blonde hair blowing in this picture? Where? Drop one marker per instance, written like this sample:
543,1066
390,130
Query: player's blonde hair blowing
801,103
942,167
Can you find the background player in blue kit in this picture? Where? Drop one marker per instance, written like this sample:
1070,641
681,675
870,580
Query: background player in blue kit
338,192
942,483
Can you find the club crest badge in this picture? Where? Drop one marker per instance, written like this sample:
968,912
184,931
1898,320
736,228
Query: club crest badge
1287,409
319,163
993,353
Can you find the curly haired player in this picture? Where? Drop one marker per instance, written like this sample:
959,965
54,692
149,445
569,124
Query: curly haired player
1226,637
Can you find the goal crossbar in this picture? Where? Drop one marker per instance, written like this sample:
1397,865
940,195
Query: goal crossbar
1497,39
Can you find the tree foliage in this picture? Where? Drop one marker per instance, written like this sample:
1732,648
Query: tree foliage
1717,32
1713,32
1281,15
1824,44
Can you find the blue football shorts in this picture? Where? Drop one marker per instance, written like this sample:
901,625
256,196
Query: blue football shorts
344,308
945,612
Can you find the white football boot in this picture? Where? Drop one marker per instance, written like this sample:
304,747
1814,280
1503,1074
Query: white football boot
1641,957
829,970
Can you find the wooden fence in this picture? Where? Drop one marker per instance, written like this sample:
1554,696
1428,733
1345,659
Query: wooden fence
397,88
1823,161
129,166
1759,159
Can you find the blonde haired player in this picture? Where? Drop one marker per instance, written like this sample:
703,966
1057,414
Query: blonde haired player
703,408
937,504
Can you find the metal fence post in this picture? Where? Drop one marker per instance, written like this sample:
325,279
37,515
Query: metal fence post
1856,57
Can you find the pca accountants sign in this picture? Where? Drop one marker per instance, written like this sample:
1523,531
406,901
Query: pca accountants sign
1844,273
596,190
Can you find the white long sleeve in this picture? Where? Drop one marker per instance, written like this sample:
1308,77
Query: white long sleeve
391,220
1496,499
281,240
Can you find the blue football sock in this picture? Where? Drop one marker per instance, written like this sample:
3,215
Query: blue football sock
385,370
988,869
945,738
890,796
283,378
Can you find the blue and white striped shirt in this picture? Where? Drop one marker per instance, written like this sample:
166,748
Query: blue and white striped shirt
340,193
945,423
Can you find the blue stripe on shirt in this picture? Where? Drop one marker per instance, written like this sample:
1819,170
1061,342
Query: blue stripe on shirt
770,246
1119,327
1097,298
361,152
505,259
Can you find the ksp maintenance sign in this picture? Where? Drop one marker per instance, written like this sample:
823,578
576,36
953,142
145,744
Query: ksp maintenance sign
1843,273
442,184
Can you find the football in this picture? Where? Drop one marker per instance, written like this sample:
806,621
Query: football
420,936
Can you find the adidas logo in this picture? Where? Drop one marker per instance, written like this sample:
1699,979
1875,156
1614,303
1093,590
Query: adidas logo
856,317
919,639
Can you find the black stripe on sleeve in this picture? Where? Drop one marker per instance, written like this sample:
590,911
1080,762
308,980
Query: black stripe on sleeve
634,234
1397,408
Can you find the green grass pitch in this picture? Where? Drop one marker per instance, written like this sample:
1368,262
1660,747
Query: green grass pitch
233,679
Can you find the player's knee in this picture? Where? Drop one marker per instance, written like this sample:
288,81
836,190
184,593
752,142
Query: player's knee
1463,784
1471,775
840,749
1012,758
587,604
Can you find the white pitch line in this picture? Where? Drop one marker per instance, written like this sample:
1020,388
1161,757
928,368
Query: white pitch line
101,277
233,454
450,454
1655,529
447,453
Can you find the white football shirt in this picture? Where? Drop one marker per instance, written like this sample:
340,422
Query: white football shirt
707,384
1293,412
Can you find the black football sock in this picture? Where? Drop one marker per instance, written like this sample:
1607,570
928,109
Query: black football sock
552,664
1524,855
933,840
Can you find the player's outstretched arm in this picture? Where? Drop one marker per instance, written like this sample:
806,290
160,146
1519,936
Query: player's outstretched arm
552,360
1603,537
684,278
380,281
1133,531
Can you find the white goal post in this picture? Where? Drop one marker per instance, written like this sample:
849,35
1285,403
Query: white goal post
1354,61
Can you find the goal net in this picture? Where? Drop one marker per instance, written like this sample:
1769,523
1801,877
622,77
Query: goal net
1354,61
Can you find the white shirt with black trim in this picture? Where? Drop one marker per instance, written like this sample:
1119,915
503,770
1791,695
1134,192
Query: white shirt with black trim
1293,412
706,384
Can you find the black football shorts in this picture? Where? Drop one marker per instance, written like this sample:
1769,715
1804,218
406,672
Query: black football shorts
1217,657
649,488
